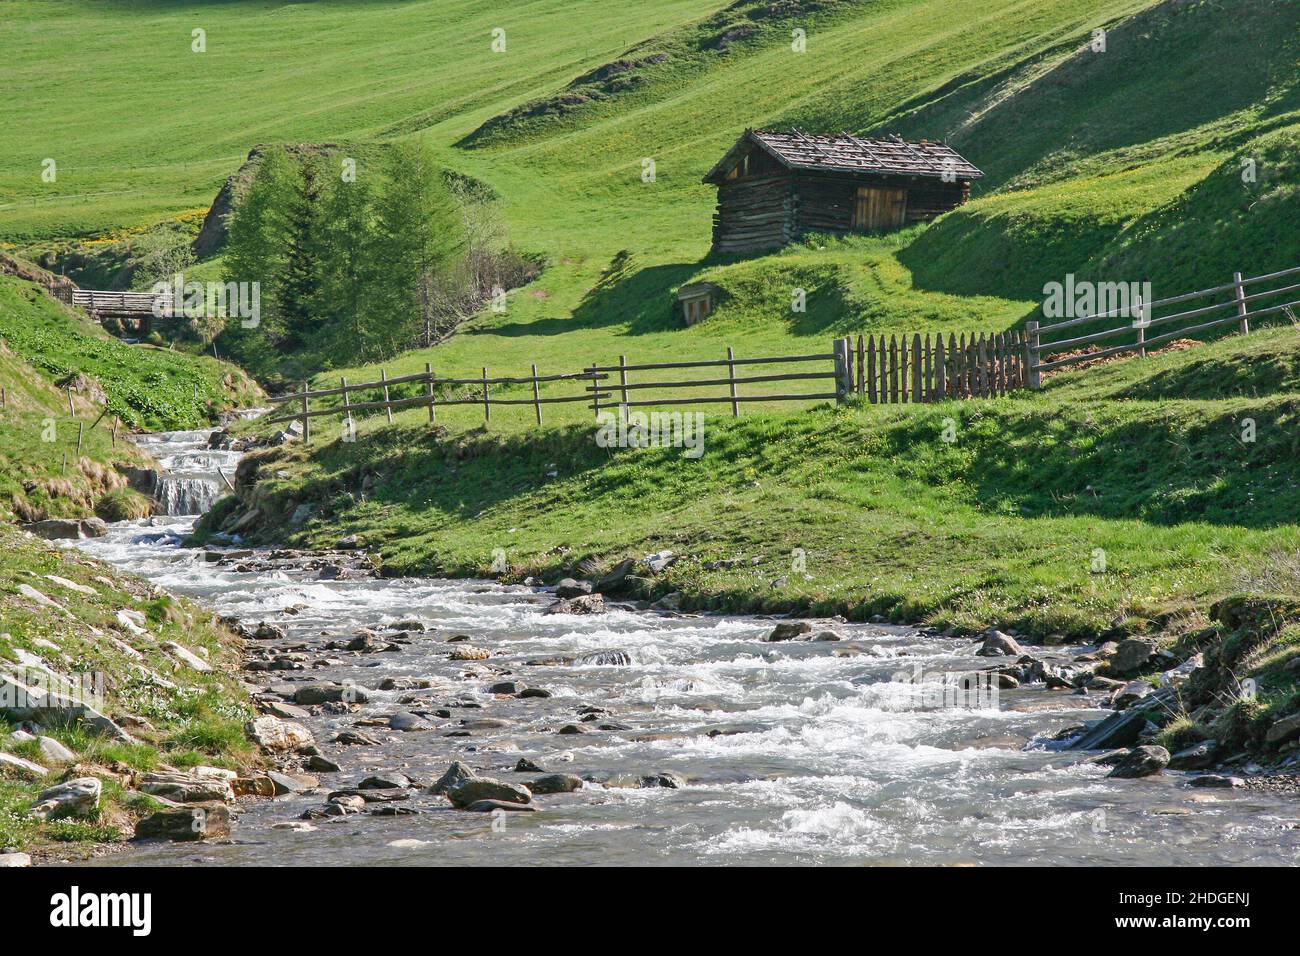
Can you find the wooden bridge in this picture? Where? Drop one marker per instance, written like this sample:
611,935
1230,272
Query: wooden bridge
134,310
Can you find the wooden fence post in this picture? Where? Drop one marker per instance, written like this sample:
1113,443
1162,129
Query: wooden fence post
347,407
537,396
622,381
843,380
306,416
595,390
487,402
862,371
916,367
940,371
731,374
383,378
428,379
871,370
1141,325
893,369
1241,303
1032,352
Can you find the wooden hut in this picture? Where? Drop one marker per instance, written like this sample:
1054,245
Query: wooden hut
773,187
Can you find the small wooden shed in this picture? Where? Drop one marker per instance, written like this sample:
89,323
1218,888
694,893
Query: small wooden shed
774,187
697,300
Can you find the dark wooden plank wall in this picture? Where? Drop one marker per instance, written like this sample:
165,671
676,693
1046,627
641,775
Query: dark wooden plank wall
753,213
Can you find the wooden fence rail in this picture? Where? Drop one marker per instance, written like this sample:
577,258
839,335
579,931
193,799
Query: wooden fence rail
1240,305
921,369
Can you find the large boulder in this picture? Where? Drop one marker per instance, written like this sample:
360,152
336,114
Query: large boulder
1145,761
1132,655
788,631
556,783
455,775
615,578
997,644
1122,729
1283,730
187,787
582,604
570,588
486,788
1196,757
272,733
76,797
21,702
209,821
54,529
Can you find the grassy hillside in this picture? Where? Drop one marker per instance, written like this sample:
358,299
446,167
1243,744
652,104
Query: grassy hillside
178,716
1125,162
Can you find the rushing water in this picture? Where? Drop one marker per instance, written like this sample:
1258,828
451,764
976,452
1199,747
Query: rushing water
794,752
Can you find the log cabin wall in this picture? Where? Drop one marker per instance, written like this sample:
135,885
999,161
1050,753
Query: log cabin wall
754,213
826,203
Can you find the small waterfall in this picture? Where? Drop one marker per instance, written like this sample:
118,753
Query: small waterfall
175,495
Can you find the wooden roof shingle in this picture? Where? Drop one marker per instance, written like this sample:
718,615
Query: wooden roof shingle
844,153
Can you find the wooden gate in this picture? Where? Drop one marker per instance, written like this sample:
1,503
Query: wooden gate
879,208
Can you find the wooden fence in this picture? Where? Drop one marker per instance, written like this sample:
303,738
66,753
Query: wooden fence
919,369
927,369
1240,305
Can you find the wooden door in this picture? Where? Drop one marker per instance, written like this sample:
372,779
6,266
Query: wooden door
878,207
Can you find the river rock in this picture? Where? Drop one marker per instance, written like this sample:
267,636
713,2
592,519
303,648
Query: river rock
614,579
583,604
454,776
527,766
604,659
569,588
1216,780
270,632
1132,654
1179,675
385,781
467,653
322,764
79,796
14,860
506,687
1283,730
272,733
486,788
555,783
1122,729
667,779
1130,694
206,822
353,738
1196,757
310,694
186,788
487,806
788,631
407,722
55,529
997,644
1144,761
528,692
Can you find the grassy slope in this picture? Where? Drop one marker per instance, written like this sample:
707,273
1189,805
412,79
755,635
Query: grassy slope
199,721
